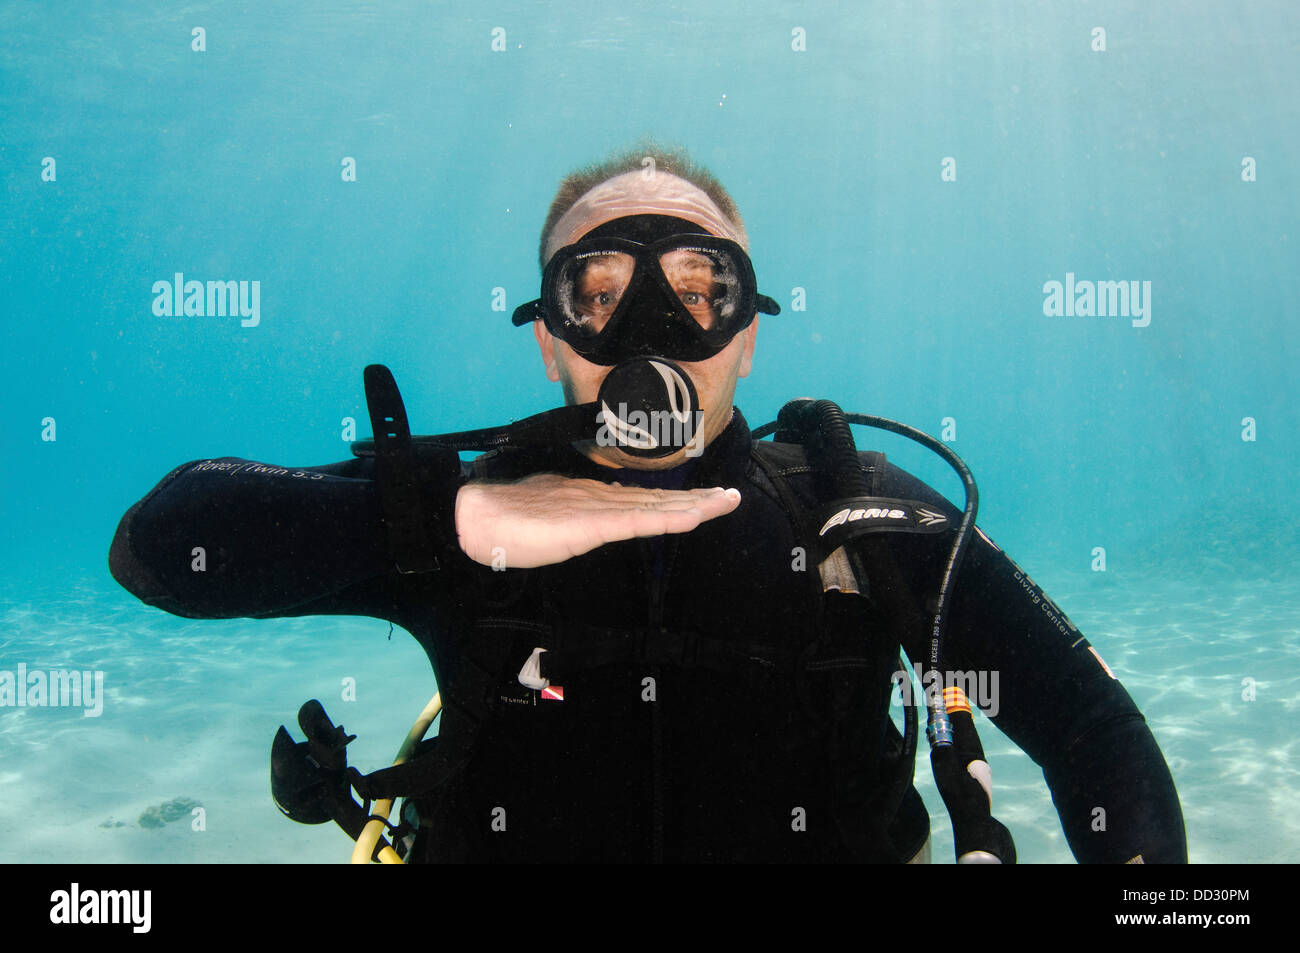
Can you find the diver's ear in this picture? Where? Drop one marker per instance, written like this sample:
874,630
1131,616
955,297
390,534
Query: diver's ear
747,355
546,341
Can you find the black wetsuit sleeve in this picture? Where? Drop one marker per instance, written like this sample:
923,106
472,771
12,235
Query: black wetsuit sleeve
1051,694
227,537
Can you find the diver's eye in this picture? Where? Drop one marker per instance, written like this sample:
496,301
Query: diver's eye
701,306
600,301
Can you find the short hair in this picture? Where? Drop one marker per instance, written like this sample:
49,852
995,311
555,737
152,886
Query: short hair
667,158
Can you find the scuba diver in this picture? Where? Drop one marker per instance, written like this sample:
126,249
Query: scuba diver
658,637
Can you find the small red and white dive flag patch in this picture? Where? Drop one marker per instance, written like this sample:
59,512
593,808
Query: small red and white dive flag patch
554,693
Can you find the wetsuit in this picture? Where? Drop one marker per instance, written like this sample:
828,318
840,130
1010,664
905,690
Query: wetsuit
718,705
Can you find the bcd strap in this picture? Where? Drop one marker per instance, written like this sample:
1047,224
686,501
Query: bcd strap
862,812
852,517
408,540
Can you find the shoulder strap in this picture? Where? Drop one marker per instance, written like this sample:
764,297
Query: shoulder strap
399,470
877,572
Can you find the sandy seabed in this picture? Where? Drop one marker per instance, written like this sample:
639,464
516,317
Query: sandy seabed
190,708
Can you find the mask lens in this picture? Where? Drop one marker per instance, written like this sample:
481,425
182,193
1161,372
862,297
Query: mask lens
706,282
589,288
683,297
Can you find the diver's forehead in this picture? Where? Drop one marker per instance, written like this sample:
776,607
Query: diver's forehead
638,193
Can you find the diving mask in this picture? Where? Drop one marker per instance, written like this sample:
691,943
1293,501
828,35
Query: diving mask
647,286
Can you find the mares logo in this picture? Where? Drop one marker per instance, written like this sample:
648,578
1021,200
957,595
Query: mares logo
850,515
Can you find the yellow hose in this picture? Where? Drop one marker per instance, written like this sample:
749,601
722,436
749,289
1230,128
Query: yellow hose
370,834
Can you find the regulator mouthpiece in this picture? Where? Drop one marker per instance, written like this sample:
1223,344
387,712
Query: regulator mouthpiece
648,407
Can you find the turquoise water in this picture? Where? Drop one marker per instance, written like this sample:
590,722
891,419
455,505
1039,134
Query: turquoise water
925,302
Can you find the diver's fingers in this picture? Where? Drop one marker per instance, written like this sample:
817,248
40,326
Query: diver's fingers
546,519
584,491
560,498
681,512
